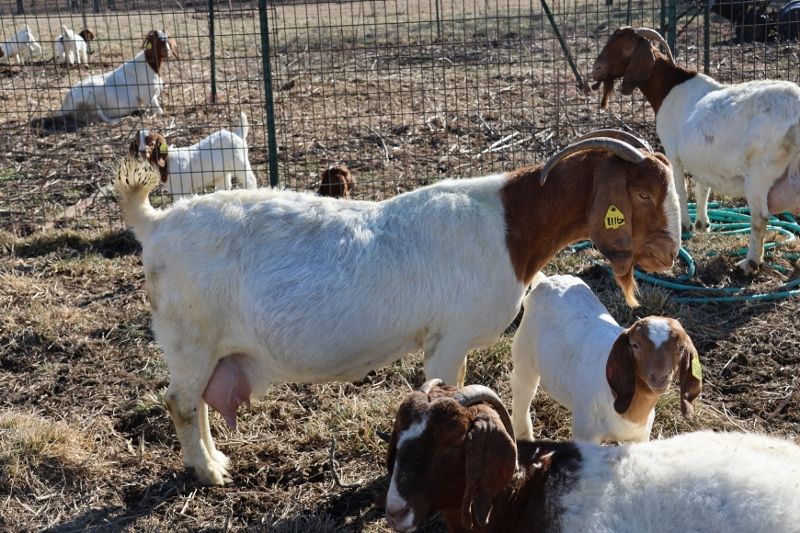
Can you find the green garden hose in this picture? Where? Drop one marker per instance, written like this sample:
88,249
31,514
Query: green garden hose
728,221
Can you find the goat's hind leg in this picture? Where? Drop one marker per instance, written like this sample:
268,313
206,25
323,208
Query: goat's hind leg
186,407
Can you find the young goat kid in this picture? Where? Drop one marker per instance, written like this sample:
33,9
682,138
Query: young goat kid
609,377
453,451
442,268
24,40
71,48
212,161
742,140
134,85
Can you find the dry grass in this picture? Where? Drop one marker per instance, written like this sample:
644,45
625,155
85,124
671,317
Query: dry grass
85,441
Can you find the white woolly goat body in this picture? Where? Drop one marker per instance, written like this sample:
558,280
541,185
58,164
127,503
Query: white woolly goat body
565,337
722,134
700,481
231,271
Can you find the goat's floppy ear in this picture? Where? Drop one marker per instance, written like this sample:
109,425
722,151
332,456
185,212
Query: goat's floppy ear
491,457
691,377
639,66
611,223
621,372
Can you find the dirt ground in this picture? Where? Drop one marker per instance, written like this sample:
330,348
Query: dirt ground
85,441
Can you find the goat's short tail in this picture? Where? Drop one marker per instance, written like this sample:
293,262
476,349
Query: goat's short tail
64,31
133,180
243,128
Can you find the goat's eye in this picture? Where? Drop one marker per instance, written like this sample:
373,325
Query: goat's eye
644,196
635,346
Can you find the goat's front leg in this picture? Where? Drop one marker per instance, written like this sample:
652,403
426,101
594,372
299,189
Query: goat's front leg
447,360
755,249
156,106
524,384
188,380
105,118
701,221
680,188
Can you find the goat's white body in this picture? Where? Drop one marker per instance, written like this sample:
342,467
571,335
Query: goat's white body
23,40
228,273
564,340
132,86
700,481
70,48
737,139
212,161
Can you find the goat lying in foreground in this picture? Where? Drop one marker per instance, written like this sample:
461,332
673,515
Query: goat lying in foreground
250,288
453,451
132,86
741,140
214,160
609,377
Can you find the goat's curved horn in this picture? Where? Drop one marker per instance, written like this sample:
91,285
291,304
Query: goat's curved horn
429,385
620,135
616,147
655,37
472,394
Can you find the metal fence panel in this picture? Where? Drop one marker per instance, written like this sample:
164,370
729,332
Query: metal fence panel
404,93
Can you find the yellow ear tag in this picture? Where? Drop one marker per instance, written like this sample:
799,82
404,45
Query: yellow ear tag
163,148
149,46
697,371
614,218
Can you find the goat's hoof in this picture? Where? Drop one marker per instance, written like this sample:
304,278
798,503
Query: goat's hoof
747,267
702,226
686,228
212,474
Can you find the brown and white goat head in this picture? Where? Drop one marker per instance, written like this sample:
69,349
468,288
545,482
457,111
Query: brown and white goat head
87,35
633,212
151,146
337,181
451,451
629,54
158,46
643,362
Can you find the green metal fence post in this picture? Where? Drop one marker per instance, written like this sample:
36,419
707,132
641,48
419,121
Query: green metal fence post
672,34
706,36
272,147
213,46
438,23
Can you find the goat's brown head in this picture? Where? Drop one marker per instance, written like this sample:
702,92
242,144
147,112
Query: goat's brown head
629,54
451,451
633,213
336,181
157,48
151,146
647,356
87,34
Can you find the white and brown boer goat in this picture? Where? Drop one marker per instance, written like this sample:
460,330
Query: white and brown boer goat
135,85
742,140
214,160
609,377
250,288
453,451
71,47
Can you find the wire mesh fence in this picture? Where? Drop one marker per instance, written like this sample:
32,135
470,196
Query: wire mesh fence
403,93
